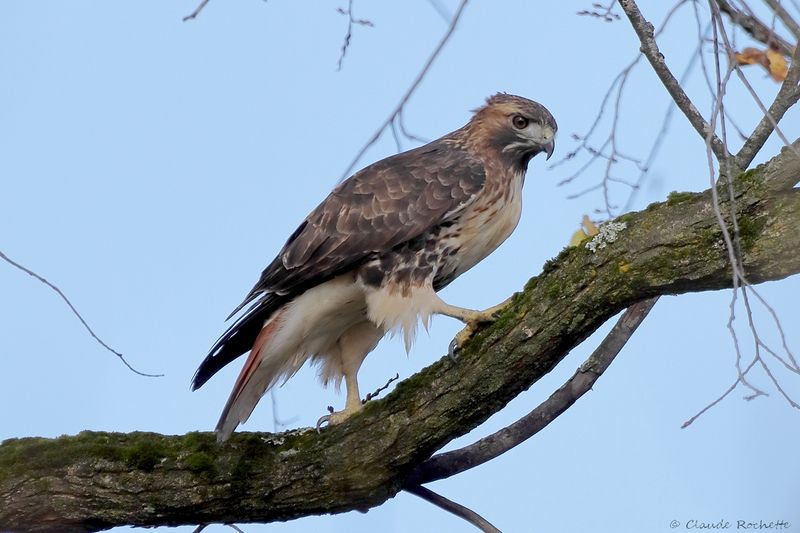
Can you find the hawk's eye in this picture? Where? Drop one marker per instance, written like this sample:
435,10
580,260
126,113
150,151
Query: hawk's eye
519,122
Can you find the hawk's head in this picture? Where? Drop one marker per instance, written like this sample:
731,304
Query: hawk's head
515,128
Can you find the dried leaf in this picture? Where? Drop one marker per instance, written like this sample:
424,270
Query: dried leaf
778,68
770,59
588,229
753,56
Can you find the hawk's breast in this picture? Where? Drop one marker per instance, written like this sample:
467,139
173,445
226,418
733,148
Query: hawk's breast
480,229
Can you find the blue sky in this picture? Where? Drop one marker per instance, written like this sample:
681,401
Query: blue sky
151,168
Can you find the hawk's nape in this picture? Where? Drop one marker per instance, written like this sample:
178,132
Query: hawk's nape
370,258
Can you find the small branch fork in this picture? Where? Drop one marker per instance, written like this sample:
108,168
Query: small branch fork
197,10
604,12
448,464
445,465
350,23
75,312
395,119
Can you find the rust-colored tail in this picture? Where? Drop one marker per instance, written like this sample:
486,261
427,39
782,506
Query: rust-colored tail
256,377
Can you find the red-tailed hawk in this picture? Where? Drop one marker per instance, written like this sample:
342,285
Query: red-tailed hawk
370,258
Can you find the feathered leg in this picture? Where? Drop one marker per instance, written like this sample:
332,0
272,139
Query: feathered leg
354,345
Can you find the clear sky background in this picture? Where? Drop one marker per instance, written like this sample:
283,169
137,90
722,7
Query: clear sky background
151,168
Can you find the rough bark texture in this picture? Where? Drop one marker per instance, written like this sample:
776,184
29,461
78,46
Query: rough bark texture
93,481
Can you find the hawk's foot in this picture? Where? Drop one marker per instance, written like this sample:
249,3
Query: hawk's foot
474,320
337,417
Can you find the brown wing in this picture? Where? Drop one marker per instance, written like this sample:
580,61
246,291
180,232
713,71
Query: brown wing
380,207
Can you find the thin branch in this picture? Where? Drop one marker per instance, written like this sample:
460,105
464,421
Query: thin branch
398,108
452,507
374,394
785,17
197,10
278,423
448,464
77,314
644,30
408,135
729,390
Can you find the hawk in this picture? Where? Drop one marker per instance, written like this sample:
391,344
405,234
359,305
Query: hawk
372,256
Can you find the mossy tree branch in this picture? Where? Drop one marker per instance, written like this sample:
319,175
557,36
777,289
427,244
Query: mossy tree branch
94,481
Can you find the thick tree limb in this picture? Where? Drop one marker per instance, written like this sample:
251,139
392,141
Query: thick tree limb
98,480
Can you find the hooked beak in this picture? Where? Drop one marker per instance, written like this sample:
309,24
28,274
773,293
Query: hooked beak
549,148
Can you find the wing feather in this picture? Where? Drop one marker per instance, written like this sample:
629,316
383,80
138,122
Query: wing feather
380,207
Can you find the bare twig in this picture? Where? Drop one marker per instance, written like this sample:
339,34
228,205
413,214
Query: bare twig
787,19
278,423
452,507
454,462
77,314
349,35
600,11
196,11
399,107
402,124
376,392
644,30
729,390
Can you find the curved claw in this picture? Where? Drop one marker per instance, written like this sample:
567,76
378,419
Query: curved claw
322,420
452,351
459,340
